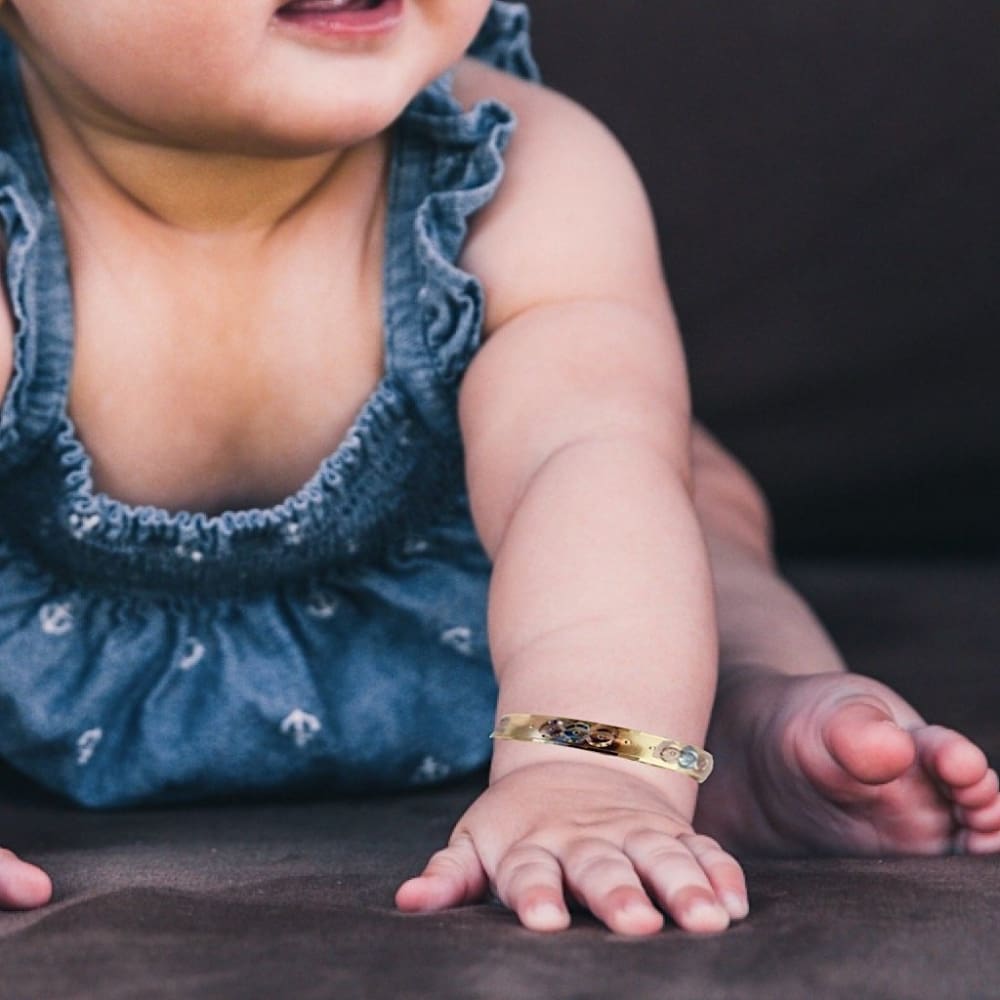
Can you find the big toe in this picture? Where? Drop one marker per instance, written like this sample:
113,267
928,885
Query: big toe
864,739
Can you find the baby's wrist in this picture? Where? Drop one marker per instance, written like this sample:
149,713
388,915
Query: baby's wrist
523,758
608,740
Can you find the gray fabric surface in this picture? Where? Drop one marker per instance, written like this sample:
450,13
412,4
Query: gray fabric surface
295,899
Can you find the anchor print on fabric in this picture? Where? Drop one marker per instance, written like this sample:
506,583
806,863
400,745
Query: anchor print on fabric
428,771
458,638
322,603
56,617
192,653
301,726
87,744
415,546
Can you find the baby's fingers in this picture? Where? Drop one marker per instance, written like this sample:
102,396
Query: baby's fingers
723,872
605,881
529,881
672,872
22,885
453,876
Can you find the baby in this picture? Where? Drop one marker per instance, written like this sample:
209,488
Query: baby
309,355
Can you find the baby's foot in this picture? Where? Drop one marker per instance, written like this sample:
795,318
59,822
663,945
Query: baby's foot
840,764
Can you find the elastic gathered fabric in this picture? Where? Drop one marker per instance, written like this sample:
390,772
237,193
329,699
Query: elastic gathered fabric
336,639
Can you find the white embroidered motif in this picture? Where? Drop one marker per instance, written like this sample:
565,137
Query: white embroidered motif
56,617
301,726
322,604
414,546
429,770
87,744
458,638
292,534
192,653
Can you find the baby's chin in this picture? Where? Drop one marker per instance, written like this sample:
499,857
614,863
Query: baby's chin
297,124
286,143
269,133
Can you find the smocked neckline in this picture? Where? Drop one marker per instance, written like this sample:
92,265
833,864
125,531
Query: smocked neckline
399,464
373,421
369,422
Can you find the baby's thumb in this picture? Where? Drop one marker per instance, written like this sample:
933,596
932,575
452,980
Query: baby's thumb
453,876
22,886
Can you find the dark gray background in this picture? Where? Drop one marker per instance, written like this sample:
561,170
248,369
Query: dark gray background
825,178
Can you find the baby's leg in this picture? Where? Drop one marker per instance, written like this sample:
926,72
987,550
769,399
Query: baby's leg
816,759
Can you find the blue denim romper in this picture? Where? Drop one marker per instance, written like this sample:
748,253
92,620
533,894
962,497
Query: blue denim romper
334,642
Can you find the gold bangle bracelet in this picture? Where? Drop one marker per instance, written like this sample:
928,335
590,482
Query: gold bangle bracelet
615,741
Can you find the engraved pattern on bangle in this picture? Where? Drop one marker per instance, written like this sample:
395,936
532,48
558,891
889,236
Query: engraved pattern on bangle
615,741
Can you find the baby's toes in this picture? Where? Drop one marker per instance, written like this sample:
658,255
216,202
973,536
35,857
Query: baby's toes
985,819
863,738
976,842
977,807
979,794
950,758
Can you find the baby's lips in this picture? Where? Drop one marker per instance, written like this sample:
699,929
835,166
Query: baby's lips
293,7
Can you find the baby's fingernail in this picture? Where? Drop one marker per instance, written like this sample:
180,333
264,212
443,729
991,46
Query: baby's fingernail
547,916
638,917
706,916
638,908
737,906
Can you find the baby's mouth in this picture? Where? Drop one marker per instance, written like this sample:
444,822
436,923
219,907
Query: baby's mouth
342,20
327,7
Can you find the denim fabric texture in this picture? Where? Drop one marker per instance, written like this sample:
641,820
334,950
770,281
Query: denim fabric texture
336,641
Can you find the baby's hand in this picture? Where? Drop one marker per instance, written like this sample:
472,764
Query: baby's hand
22,885
615,842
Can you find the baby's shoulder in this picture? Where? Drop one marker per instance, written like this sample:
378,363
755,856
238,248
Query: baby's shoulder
549,124
6,327
571,215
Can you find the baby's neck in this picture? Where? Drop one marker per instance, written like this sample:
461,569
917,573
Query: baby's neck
190,190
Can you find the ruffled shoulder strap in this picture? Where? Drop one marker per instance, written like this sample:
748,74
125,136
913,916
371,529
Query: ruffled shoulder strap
34,277
447,163
504,40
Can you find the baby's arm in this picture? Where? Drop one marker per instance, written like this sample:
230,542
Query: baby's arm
575,419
